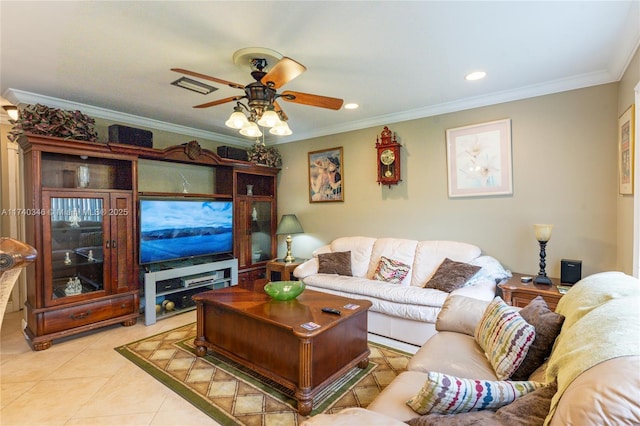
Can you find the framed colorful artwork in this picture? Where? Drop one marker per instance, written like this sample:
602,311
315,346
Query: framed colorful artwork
625,150
479,159
326,175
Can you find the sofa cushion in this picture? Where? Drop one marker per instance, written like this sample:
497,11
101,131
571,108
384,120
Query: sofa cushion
350,417
452,353
400,249
461,314
360,248
338,262
391,271
446,394
547,324
408,302
430,254
504,336
392,401
451,275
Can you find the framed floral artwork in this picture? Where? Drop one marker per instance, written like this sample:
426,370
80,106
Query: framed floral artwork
326,175
479,159
625,151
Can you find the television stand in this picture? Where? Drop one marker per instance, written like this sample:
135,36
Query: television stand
173,288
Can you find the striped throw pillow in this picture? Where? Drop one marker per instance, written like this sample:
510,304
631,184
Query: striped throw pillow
445,394
505,337
391,271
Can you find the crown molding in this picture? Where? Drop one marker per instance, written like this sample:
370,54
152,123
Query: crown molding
532,91
17,97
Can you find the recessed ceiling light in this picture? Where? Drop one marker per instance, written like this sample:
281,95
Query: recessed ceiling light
476,75
351,106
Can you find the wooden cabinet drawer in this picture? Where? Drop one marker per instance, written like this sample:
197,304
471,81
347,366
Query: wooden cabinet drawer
76,316
521,300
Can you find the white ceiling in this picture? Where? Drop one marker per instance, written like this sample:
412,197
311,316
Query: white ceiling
398,60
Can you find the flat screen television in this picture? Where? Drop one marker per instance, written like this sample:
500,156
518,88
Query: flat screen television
174,229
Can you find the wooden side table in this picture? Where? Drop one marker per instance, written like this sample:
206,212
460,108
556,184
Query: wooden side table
284,269
517,293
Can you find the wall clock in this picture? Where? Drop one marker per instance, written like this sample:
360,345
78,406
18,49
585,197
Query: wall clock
388,158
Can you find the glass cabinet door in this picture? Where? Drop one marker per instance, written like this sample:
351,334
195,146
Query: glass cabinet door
76,252
261,231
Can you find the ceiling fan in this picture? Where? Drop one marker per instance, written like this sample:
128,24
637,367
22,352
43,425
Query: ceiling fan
262,95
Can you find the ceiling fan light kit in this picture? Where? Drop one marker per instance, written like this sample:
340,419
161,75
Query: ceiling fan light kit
261,96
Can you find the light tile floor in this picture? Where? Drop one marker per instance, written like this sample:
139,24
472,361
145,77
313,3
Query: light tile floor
82,380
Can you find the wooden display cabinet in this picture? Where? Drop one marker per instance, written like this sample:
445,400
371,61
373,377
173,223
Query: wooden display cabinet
84,275
255,220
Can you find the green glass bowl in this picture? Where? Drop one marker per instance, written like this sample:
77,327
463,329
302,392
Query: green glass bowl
284,290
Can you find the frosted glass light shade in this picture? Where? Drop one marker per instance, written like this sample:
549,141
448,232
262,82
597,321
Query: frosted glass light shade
281,129
251,130
237,120
543,231
269,118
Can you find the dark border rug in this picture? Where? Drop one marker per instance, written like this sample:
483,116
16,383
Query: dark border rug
234,395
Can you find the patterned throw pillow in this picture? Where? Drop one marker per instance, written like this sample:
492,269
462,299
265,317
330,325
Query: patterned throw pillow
445,394
451,275
338,262
505,337
391,271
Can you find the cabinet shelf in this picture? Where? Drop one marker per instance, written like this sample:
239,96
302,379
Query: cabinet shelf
173,284
183,195
215,284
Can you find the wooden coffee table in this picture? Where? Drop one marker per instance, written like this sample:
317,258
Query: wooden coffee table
267,336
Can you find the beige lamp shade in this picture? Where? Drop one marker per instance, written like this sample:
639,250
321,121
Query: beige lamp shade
543,231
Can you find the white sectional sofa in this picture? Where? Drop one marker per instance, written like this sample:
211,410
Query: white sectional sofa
405,311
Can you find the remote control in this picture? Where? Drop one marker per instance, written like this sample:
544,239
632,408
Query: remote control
331,311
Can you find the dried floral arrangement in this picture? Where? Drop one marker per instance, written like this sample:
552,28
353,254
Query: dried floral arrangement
43,120
259,153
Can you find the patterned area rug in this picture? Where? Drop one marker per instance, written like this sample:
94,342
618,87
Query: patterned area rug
234,395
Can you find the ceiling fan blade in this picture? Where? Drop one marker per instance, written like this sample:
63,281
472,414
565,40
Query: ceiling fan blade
279,110
208,77
285,70
219,102
313,100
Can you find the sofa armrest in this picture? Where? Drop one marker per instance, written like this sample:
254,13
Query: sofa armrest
460,314
604,394
308,267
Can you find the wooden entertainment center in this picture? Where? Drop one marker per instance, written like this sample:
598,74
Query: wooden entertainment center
81,215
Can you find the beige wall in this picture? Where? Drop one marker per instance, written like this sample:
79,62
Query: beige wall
626,97
564,172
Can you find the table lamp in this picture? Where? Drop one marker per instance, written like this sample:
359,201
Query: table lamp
543,234
289,225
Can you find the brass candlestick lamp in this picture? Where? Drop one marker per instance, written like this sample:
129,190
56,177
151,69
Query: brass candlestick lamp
543,235
289,225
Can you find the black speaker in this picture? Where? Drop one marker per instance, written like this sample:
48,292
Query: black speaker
570,271
130,136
